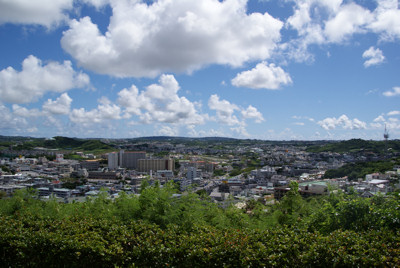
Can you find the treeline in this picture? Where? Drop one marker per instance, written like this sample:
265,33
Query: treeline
63,143
355,145
358,170
158,229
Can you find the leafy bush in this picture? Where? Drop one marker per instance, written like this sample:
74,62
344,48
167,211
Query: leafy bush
104,243
156,229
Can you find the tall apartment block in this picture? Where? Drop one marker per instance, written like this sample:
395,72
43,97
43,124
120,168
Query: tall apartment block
130,159
145,165
124,159
113,161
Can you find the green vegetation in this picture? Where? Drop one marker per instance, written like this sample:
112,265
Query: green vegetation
161,154
74,157
64,143
235,172
355,145
154,229
5,169
219,172
72,183
360,169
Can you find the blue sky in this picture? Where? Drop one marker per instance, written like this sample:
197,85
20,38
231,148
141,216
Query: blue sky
262,69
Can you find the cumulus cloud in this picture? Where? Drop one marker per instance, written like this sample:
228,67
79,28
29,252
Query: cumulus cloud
59,106
104,112
97,3
35,79
319,22
252,113
41,12
350,19
392,93
241,131
391,123
387,20
24,112
144,40
224,110
167,131
262,76
374,56
10,121
379,119
160,103
343,121
225,113
324,22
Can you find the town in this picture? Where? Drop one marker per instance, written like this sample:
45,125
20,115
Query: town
229,171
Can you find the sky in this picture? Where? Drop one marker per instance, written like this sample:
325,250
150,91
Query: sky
257,69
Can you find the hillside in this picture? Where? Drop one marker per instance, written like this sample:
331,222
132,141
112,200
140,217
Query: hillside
64,143
355,145
358,170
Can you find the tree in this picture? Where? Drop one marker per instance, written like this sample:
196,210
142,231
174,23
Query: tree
291,207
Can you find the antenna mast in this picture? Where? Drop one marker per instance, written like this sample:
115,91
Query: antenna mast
386,137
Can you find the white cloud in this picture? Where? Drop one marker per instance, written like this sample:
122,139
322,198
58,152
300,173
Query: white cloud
224,109
392,113
129,99
32,129
180,36
241,131
303,117
167,131
325,22
252,113
379,119
374,56
160,103
225,113
262,76
320,22
104,112
387,20
97,3
24,112
350,19
59,106
41,12
10,121
35,79
391,93
391,123
343,121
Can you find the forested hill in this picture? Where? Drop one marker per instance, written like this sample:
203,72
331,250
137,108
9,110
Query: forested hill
64,143
355,145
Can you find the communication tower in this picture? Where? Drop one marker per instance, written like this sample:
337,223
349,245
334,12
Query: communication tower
386,137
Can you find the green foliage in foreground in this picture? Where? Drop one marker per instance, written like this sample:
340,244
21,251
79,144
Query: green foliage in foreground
31,242
156,229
